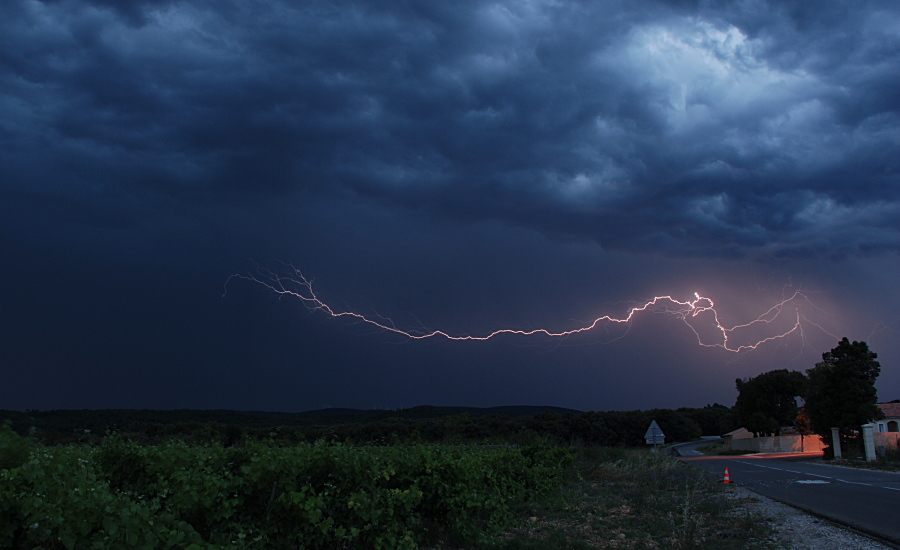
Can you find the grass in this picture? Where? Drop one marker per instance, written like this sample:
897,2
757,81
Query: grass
889,462
635,499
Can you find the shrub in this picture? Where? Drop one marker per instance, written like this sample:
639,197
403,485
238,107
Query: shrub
14,449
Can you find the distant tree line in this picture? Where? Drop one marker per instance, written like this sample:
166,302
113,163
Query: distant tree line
425,424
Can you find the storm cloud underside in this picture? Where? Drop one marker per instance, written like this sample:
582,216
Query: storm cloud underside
173,140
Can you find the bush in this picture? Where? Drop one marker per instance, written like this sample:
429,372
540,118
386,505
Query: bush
14,449
259,495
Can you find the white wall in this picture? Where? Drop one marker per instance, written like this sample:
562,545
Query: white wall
780,444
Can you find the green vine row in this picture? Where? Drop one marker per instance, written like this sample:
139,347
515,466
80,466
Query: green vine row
260,495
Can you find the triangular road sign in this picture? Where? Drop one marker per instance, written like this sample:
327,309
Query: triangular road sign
654,434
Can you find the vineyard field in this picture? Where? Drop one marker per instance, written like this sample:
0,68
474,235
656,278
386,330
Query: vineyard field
265,495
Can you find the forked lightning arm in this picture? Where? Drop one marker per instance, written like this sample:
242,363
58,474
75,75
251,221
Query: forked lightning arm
296,285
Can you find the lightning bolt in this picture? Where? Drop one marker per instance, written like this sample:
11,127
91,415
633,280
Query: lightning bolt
296,285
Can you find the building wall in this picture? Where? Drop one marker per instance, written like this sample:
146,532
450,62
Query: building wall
885,441
780,444
888,425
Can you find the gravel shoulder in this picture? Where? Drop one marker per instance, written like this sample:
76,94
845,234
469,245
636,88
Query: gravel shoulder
798,530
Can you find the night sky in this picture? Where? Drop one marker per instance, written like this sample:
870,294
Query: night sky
461,166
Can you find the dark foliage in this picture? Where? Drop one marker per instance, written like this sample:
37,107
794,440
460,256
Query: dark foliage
840,390
14,449
768,402
518,425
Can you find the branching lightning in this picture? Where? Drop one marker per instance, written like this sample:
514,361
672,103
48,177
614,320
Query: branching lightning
786,314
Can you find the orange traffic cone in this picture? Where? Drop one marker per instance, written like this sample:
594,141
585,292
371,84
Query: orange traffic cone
727,479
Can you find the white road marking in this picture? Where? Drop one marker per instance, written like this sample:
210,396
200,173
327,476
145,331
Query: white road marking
855,483
815,481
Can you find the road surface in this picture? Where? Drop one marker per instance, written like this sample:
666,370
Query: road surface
866,500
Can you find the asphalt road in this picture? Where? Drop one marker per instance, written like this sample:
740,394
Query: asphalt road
866,500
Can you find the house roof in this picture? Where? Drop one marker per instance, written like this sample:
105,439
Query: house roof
890,410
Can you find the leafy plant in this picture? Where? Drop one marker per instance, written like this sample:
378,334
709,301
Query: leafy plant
14,449
175,495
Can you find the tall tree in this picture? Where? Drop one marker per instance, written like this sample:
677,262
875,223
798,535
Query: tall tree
840,390
768,402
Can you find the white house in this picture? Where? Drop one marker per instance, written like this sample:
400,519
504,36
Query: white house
891,422
886,433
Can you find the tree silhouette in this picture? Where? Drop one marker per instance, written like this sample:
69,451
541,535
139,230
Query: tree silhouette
840,390
768,402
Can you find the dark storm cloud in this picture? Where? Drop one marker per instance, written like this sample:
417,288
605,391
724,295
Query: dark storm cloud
761,129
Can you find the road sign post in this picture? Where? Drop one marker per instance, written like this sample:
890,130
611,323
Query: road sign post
654,435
